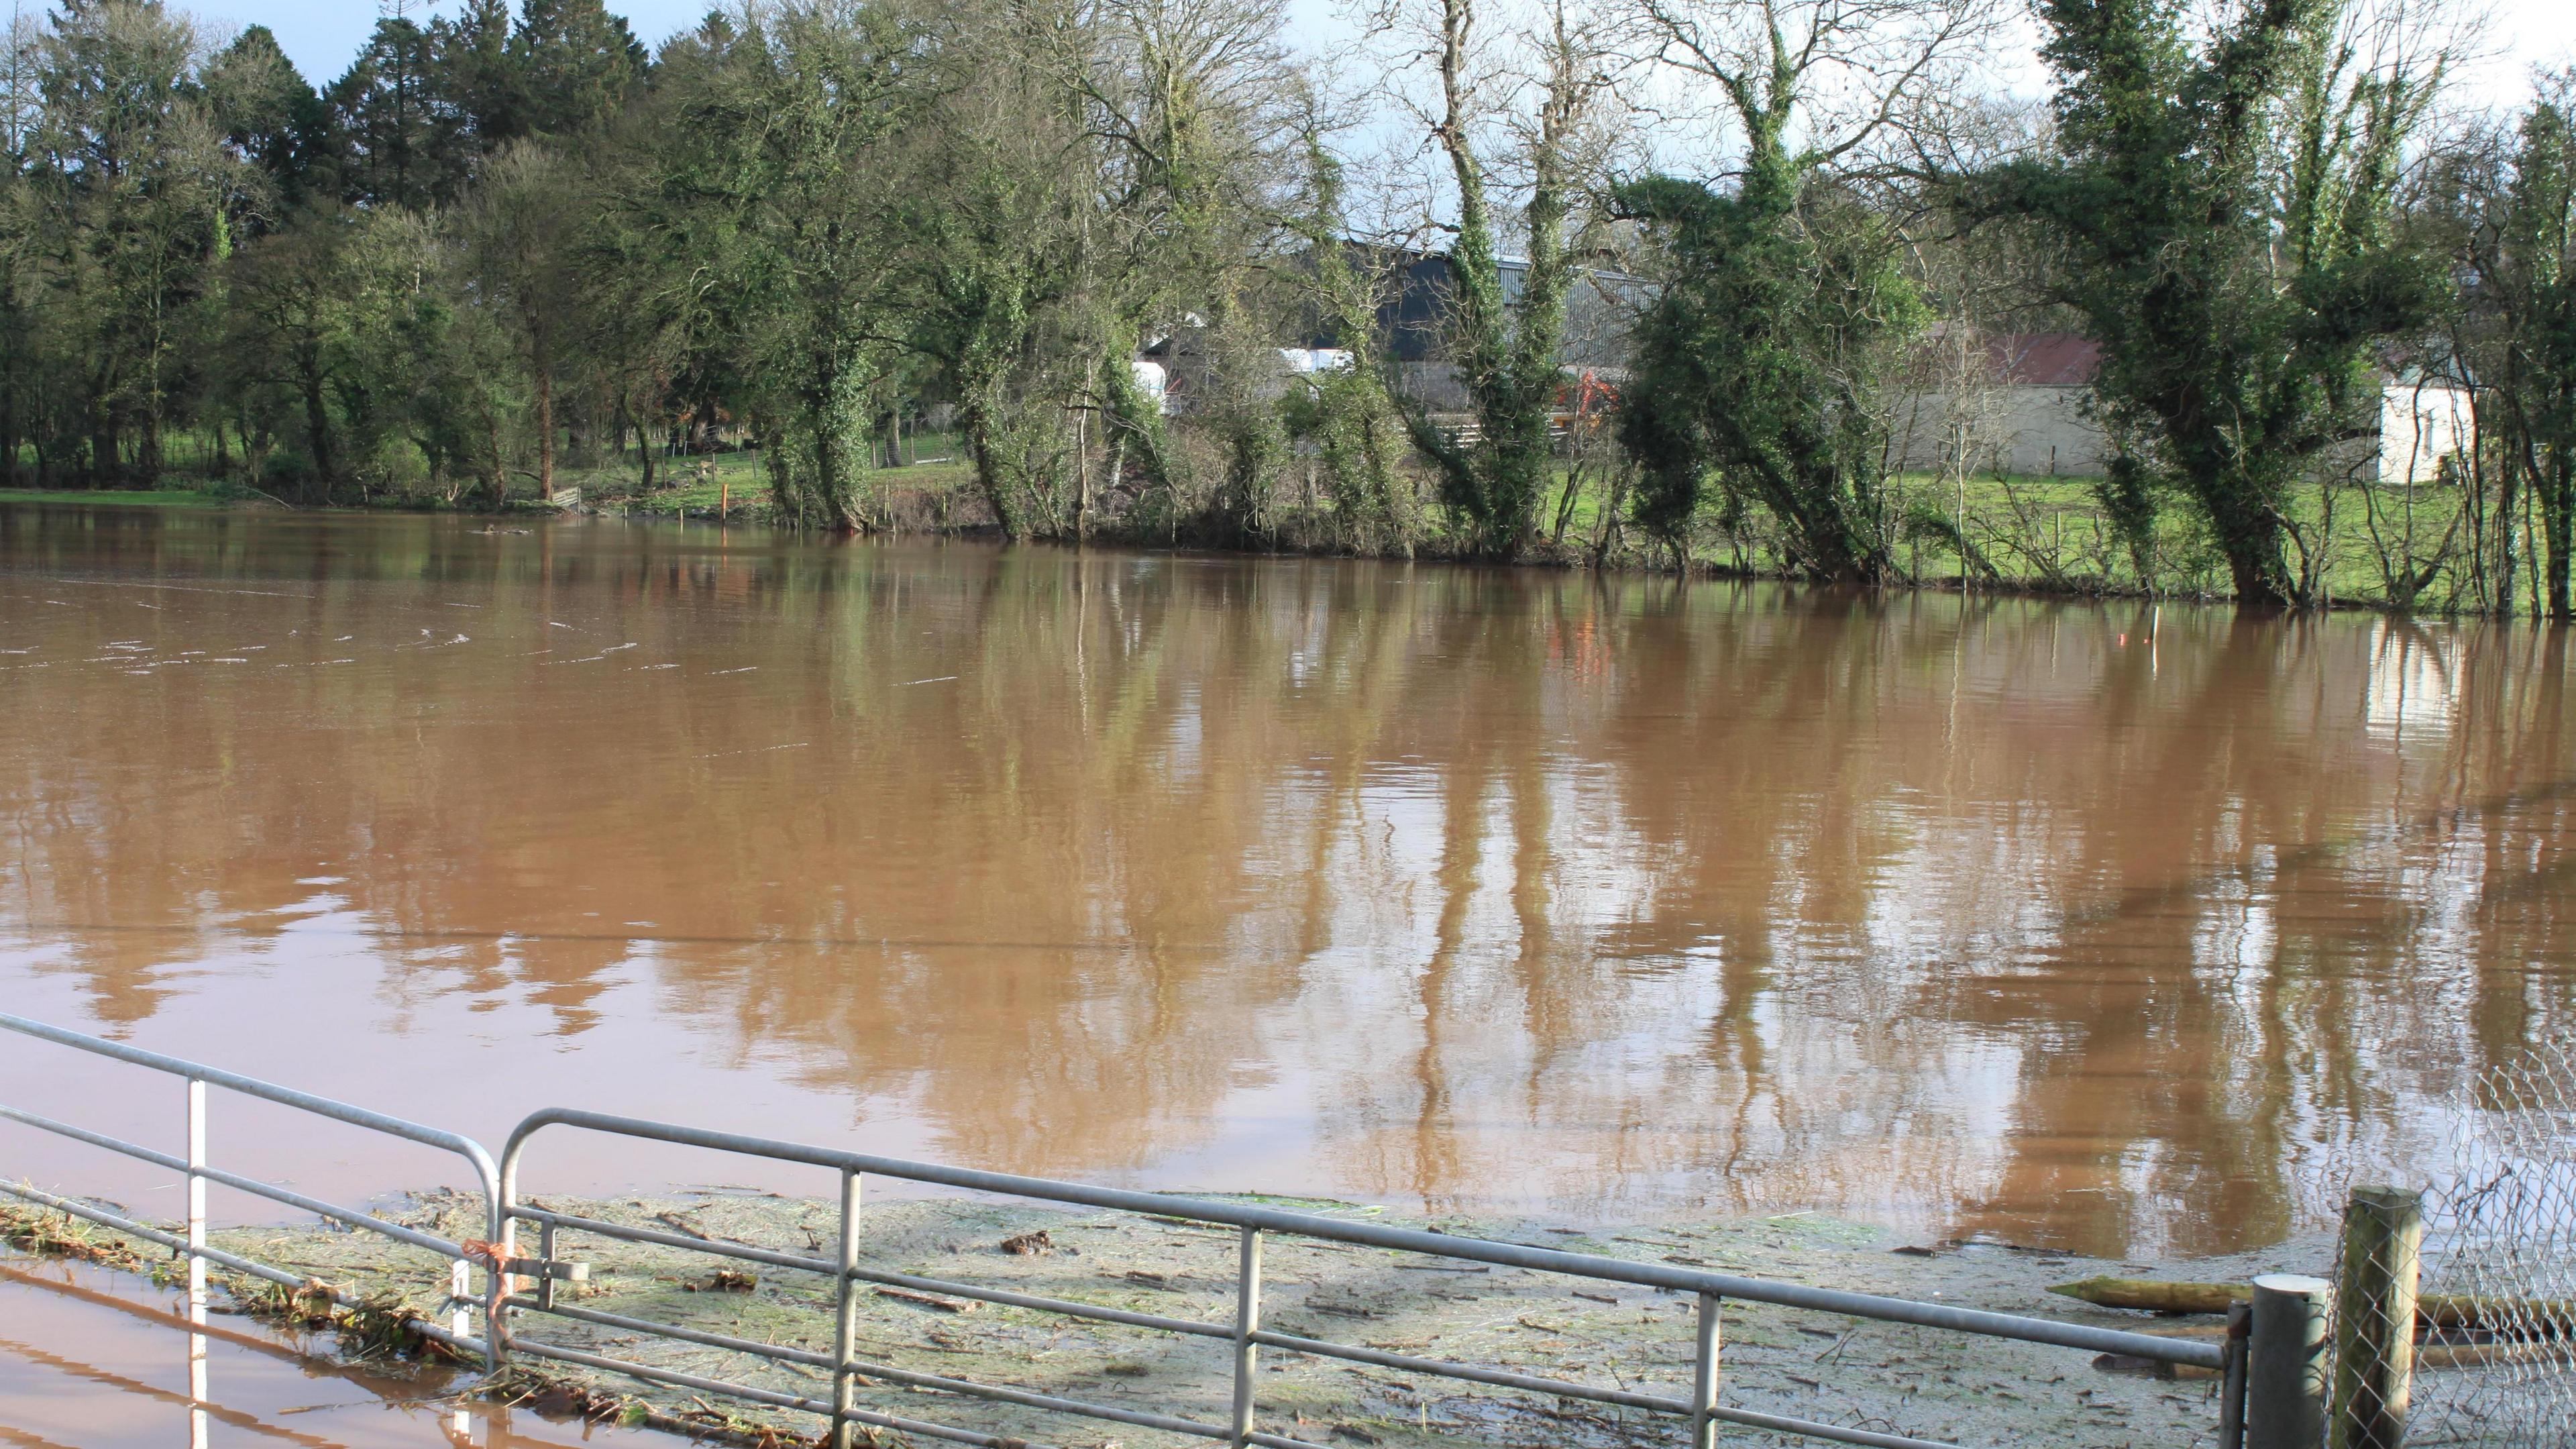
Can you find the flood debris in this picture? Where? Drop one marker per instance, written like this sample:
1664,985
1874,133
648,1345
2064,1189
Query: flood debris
930,1300
60,1235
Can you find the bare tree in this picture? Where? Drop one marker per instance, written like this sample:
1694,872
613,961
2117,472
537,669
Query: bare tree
1783,299
1521,129
1811,85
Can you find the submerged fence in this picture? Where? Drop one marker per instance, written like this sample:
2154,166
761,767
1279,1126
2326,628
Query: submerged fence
2282,1352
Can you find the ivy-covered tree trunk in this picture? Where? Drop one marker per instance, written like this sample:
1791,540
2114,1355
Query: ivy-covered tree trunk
2558,506
1779,303
1757,360
978,417
2219,215
1506,348
1350,411
2527,271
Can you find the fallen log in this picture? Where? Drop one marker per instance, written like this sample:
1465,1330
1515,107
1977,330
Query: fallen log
2530,1318
2434,1354
2156,1295
2440,1355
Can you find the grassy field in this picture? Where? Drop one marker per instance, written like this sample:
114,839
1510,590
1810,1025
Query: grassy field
2386,543
2378,544
2383,544
736,483
127,497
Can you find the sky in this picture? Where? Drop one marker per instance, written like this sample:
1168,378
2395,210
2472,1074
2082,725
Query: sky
322,36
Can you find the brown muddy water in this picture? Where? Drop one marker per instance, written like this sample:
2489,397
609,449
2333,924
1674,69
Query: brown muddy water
1588,900
91,1358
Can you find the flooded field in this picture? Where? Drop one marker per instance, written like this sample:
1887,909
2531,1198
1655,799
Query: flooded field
2112,929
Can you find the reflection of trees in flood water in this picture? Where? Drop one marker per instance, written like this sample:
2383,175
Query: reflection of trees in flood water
1615,895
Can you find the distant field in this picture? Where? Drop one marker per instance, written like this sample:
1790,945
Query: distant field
131,497
734,479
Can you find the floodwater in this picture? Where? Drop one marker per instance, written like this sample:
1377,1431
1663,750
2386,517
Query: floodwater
2099,926
91,1358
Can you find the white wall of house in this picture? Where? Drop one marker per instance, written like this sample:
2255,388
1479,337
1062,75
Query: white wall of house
2419,426
2021,427
2043,432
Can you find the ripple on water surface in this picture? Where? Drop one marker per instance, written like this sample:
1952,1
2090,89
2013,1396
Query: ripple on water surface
1606,899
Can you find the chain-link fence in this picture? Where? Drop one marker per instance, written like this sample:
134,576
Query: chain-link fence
2492,1355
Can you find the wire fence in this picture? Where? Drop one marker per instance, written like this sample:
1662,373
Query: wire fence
2489,1359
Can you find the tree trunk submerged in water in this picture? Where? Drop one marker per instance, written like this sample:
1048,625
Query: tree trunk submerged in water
545,433
2558,507
317,424
2250,532
2256,573
828,479
977,419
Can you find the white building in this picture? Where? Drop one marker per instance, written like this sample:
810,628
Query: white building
2025,415
2421,426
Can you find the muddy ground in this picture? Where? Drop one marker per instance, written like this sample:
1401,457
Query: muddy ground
1892,1378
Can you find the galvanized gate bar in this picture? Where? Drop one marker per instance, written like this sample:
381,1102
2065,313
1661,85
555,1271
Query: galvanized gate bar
463,1146
845,1327
704,1338
1247,1331
1622,1398
744,1252
1701,1411
1445,1368
1808,1428
777,1400
199,1174
177,1243
198,1076
199,1390
1509,1255
1703,1408
909,1378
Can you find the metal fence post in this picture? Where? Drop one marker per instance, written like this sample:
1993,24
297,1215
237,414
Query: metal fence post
460,1299
1247,1322
199,1389
196,1200
2383,1234
2231,1387
546,1263
845,1332
501,1230
1704,1377
2285,1368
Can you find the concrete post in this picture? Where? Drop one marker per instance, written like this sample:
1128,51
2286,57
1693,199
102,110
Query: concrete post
2285,1372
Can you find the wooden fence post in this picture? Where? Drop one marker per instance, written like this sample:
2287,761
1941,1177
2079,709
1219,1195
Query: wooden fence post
2374,1339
